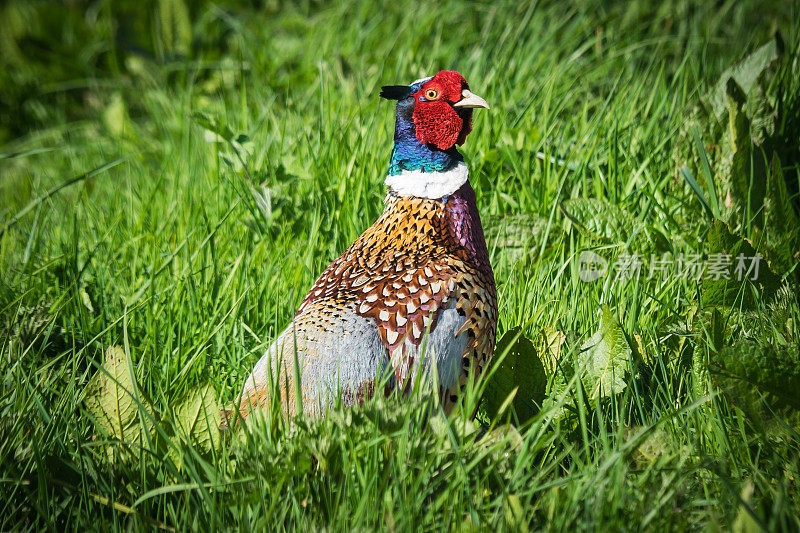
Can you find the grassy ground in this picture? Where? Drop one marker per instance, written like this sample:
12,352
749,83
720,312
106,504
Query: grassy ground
190,252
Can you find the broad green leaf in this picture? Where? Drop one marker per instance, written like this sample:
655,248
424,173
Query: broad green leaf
198,418
735,283
779,215
548,344
652,444
110,398
747,174
727,134
519,372
772,369
517,235
761,380
781,224
604,358
745,73
738,122
610,224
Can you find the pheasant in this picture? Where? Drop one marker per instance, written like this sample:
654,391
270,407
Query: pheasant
415,290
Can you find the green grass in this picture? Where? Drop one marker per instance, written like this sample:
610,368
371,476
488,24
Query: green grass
164,249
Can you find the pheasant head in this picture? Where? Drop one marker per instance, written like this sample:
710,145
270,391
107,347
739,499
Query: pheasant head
433,116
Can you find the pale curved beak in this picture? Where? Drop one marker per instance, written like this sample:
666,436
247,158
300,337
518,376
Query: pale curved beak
471,100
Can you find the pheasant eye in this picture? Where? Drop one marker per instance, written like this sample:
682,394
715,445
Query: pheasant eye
431,94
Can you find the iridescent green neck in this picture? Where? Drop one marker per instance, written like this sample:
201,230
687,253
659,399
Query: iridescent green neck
410,154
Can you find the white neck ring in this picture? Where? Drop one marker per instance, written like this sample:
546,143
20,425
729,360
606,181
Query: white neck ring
431,185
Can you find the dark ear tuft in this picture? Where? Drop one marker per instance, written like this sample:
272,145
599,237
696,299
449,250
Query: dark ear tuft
395,92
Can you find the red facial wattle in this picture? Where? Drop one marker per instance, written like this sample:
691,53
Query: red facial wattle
436,121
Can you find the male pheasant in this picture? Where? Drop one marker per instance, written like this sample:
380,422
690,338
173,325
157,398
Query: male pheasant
414,290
